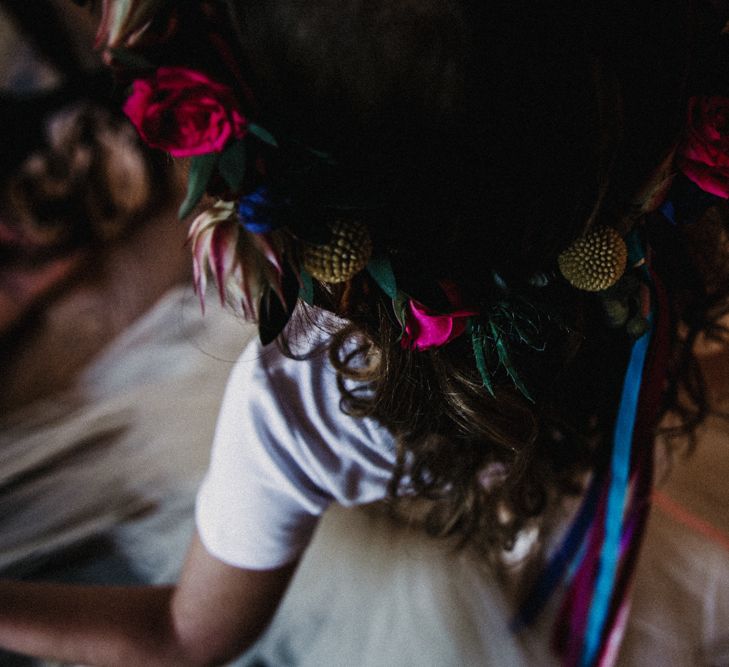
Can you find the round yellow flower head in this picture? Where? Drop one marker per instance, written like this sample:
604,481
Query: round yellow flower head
595,261
346,253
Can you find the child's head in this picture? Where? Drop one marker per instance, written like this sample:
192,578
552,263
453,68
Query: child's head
493,133
448,155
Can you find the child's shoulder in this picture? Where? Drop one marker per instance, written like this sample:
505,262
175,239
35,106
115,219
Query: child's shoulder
283,451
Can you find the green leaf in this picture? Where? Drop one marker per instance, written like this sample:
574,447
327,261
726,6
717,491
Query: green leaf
201,170
525,336
477,341
505,360
273,313
306,291
264,135
232,165
380,269
636,251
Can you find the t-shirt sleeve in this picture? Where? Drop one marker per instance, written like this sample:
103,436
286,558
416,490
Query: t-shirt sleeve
282,452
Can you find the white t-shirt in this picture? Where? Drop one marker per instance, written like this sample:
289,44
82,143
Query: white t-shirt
283,451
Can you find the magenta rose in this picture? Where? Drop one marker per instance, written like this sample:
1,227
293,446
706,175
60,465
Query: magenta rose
184,112
425,329
704,155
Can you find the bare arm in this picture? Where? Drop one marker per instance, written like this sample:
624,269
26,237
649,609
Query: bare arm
212,615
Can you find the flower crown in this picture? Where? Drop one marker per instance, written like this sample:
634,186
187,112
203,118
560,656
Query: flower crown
264,259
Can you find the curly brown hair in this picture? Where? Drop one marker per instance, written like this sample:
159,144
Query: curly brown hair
498,133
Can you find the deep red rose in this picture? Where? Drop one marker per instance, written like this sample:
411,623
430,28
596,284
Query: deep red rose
704,155
184,112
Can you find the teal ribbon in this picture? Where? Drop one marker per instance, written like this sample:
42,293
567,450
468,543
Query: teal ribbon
620,472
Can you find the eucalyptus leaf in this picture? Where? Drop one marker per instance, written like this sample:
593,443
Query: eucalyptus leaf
528,333
505,360
477,342
232,165
306,291
380,269
201,170
264,135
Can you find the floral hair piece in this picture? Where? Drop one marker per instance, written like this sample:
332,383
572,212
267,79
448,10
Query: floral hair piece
595,262
193,114
208,119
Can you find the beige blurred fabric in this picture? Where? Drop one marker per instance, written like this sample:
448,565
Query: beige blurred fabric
121,453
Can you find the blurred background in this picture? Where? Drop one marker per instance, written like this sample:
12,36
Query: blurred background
111,379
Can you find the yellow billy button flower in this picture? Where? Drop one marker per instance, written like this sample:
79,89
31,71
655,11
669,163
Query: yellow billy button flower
595,261
345,255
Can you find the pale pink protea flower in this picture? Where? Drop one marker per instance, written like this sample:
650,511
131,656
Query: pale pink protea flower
241,263
124,21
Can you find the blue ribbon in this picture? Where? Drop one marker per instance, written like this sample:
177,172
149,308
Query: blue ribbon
686,202
620,469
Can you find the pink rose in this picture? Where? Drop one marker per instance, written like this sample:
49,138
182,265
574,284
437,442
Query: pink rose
184,112
704,155
425,329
